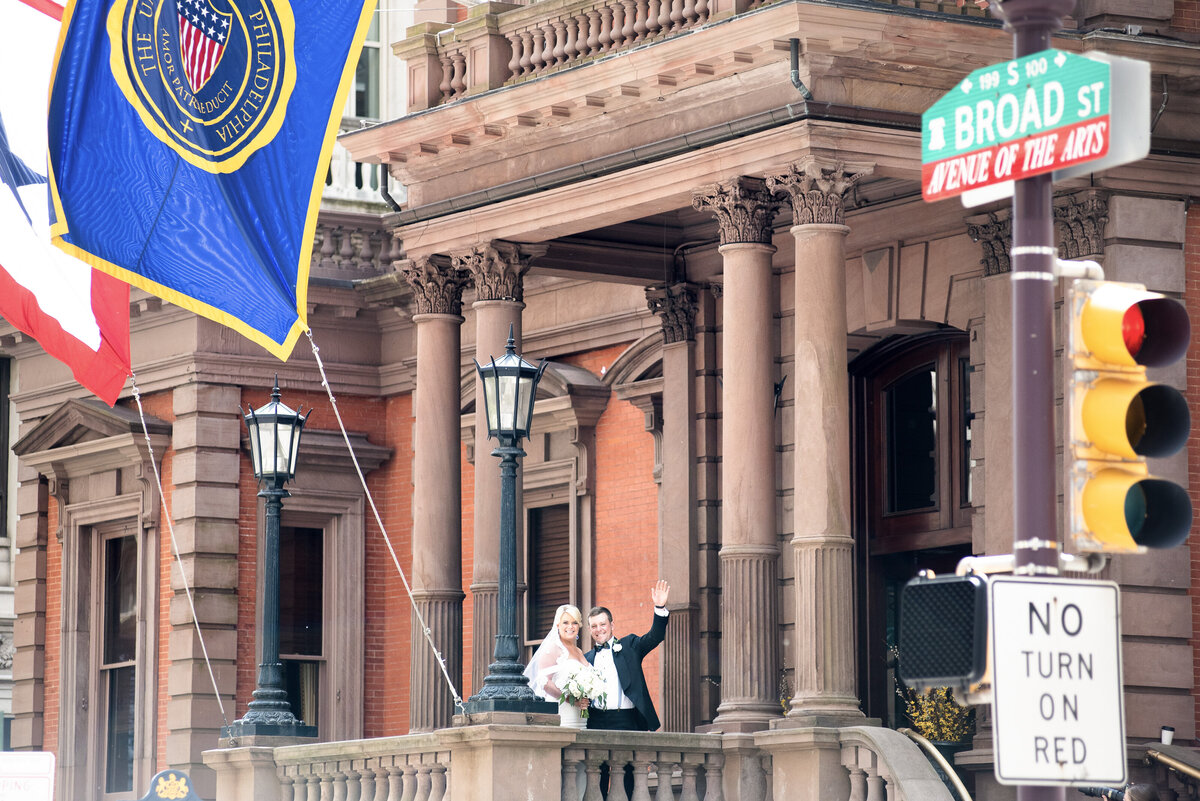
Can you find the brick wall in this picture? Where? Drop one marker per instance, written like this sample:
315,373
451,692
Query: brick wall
1187,16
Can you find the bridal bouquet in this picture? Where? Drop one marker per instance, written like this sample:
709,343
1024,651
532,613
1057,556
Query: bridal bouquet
583,681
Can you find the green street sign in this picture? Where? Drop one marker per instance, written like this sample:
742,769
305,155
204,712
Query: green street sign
1032,115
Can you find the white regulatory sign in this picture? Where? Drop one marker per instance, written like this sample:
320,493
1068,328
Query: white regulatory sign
1058,711
27,776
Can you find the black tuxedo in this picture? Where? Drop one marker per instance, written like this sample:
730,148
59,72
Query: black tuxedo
628,661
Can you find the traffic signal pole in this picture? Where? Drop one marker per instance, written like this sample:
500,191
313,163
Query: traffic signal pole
1035,530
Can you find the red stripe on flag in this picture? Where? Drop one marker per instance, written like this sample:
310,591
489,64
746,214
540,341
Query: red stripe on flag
47,7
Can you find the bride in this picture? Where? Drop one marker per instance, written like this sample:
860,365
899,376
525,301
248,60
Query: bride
552,661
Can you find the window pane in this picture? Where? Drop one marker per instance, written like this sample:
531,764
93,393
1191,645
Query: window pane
301,590
549,566
911,415
118,762
966,493
300,682
366,84
120,600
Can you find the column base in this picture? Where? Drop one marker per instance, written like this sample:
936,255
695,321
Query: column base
743,718
818,720
242,734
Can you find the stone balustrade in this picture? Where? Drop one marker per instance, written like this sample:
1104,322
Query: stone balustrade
414,768
504,762
501,44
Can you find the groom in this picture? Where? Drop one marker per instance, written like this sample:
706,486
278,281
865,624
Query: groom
619,659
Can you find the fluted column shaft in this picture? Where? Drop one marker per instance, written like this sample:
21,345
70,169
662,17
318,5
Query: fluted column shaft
822,542
437,492
497,269
749,547
676,306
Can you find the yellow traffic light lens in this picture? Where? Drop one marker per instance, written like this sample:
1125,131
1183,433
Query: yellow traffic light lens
1133,329
1134,418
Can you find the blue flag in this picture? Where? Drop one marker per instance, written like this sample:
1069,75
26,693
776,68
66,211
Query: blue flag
189,141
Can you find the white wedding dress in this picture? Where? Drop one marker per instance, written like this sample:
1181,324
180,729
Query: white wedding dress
569,714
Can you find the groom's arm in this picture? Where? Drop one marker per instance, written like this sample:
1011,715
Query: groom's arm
651,639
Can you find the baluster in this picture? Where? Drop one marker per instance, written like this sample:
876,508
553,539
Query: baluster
713,765
617,760
571,787
653,26
676,15
593,37
664,16
689,13
618,25
571,48
642,760
627,27
380,791
689,766
354,777
875,790
592,762
701,11
539,42
526,61
410,781
447,71
395,785
338,785
639,21
458,83
514,63
423,782
548,48
437,782
312,788
663,791
559,53
286,791
858,784
606,18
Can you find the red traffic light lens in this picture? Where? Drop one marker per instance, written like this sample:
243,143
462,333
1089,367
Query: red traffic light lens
1133,329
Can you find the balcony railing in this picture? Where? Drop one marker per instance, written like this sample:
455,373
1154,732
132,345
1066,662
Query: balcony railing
457,764
502,44
353,184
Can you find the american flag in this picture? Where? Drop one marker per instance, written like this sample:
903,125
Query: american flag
202,34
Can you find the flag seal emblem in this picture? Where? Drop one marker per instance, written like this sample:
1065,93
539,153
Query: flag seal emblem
209,78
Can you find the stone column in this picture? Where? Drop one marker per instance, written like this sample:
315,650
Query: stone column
437,491
749,542
497,268
823,541
676,305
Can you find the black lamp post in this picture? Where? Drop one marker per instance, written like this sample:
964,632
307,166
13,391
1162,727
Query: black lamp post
509,388
274,443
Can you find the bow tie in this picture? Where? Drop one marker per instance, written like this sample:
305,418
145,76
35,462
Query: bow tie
607,645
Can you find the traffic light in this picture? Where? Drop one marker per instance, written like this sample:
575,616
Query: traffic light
1115,418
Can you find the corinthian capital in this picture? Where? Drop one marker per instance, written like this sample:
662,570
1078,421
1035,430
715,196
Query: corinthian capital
437,287
1079,225
743,207
675,305
817,189
498,268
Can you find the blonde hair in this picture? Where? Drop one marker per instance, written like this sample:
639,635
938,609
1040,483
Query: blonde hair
567,610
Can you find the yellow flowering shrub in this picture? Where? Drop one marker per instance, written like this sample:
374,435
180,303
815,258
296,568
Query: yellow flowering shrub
936,715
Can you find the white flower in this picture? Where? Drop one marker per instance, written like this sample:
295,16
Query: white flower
616,647
583,681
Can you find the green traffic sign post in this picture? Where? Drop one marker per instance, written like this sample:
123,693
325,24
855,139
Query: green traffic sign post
1032,115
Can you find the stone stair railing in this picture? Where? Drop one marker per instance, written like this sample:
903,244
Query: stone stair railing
884,765
411,767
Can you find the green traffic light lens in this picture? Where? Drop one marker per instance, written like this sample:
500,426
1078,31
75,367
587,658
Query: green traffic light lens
1135,510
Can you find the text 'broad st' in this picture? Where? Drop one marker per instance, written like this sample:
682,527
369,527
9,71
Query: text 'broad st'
1056,660
1010,121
